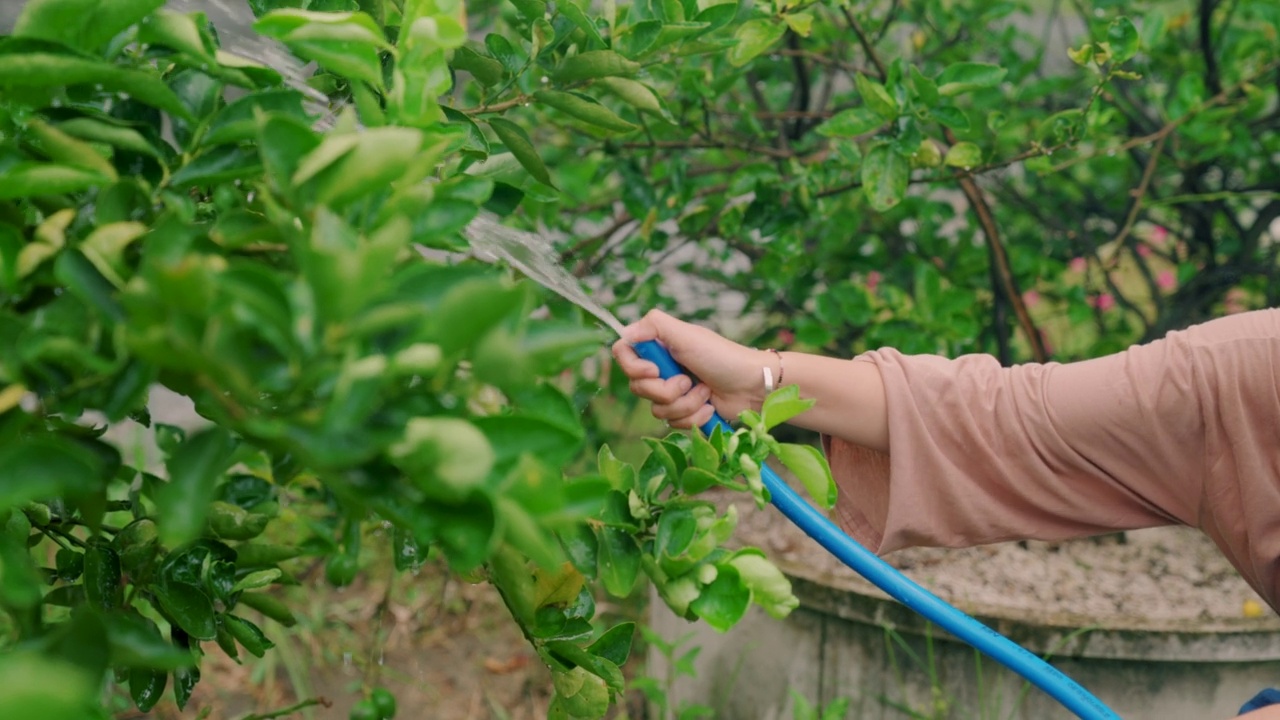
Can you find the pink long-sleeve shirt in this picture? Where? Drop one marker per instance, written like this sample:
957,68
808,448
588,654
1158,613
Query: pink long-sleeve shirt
1183,430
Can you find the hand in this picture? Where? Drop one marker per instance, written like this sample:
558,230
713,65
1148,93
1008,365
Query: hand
729,374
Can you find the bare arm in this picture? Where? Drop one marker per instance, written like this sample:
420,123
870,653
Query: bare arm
850,395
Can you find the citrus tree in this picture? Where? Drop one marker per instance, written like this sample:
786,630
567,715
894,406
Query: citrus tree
175,215
1033,180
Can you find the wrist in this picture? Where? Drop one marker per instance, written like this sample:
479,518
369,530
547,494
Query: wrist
766,371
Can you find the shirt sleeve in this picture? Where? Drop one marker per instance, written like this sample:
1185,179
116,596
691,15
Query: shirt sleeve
1183,430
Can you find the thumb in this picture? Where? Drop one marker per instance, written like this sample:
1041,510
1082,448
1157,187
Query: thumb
655,325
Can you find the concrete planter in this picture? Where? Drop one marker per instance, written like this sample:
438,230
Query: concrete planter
836,645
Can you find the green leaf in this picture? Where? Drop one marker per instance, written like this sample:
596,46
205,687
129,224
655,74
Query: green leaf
584,109
469,532
239,121
926,89
482,67
37,686
518,142
194,468
695,480
621,475
255,580
584,23
952,117
851,123
1123,38
146,687
579,694
47,70
344,43
189,607
443,453
962,77
770,589
247,634
41,179
619,560
102,577
513,435
876,97
61,147
270,607
783,404
346,167
615,644
807,464
595,64
178,31
85,25
135,642
636,94
101,131
597,665
724,601
801,23
753,38
676,528
283,142
19,580
46,466
1082,56
964,155
231,522
885,173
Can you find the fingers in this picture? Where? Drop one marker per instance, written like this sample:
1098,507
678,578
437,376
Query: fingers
632,365
684,406
659,391
697,419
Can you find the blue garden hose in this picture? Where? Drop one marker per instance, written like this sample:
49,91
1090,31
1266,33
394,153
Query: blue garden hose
999,648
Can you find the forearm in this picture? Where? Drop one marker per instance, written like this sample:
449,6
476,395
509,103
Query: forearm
850,398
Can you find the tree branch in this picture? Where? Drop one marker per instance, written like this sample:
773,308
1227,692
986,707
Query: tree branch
1211,76
867,46
1001,259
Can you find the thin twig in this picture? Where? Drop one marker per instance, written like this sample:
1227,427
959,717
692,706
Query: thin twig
1001,258
310,702
1139,194
867,47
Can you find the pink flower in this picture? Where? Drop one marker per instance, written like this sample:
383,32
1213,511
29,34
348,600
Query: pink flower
786,337
1144,250
873,280
1031,298
1166,280
1159,235
1103,301
1078,264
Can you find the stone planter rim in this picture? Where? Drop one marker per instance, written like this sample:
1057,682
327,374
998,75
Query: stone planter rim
1050,633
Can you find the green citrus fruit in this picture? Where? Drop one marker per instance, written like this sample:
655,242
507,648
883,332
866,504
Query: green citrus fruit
340,570
364,710
385,702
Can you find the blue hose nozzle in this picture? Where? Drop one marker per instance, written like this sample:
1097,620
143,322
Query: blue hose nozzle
999,648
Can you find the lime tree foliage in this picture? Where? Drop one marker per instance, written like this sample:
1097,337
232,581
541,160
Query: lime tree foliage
936,176
174,215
